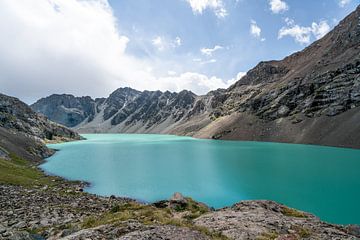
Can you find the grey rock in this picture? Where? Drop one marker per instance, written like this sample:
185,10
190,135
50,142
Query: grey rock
164,232
269,220
177,197
354,230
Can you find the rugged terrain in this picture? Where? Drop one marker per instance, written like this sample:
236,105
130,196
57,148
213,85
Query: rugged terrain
310,97
18,117
36,206
283,101
24,132
61,211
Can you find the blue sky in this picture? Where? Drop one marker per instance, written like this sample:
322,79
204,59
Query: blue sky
92,47
145,20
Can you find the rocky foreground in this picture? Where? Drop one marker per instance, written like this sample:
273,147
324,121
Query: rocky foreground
62,211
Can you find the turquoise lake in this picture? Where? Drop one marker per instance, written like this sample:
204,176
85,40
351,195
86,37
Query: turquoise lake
322,180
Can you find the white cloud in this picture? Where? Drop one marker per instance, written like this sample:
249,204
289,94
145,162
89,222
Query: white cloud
208,61
178,41
171,73
162,43
343,3
73,46
302,34
278,6
196,82
320,29
159,43
255,30
237,78
196,59
198,6
210,51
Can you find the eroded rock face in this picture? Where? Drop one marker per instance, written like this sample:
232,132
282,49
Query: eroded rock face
23,132
18,117
269,220
66,109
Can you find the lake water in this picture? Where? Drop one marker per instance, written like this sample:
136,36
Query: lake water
321,180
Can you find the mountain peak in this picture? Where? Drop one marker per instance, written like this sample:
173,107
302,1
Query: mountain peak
278,100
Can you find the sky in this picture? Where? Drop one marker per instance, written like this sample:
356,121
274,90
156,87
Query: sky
92,47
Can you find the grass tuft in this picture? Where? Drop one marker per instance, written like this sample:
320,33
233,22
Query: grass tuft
290,212
148,215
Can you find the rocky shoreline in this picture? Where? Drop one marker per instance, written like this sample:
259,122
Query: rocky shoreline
50,207
61,210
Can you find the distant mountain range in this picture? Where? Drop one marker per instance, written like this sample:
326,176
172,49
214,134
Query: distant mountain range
312,96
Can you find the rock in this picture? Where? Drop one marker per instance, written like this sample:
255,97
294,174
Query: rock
20,225
2,230
283,111
354,230
66,109
4,154
164,232
17,116
62,216
177,197
268,220
23,208
161,204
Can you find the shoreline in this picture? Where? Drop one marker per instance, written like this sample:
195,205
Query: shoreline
222,140
61,209
86,184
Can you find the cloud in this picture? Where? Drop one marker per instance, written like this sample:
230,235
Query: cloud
255,30
343,3
73,46
158,42
208,61
178,41
320,29
210,51
237,78
278,6
197,60
217,6
302,34
171,73
199,83
162,43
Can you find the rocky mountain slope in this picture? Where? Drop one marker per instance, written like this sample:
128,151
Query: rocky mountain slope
285,101
125,110
24,132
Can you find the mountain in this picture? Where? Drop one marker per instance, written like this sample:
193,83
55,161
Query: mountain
312,96
69,110
125,110
23,131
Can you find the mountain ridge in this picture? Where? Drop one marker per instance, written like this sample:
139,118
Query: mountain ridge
279,100
24,132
